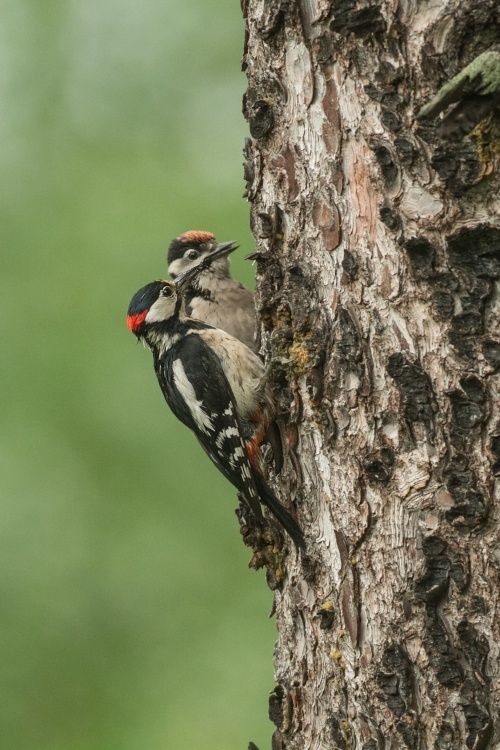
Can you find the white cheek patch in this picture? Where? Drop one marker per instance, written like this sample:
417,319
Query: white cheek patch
177,266
186,390
163,309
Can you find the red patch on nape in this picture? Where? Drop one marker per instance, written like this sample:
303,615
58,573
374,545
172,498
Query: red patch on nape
134,322
194,236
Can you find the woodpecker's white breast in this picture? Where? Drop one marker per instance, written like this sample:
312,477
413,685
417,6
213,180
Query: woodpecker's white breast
243,369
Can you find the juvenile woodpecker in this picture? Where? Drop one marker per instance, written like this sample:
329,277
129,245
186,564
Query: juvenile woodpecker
213,384
213,295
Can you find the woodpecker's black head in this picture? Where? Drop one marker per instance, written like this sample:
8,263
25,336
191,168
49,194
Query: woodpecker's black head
188,250
154,304
159,302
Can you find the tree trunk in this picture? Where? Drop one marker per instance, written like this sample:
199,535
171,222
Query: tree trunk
378,247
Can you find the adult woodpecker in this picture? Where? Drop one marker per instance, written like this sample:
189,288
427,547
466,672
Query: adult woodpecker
215,385
213,295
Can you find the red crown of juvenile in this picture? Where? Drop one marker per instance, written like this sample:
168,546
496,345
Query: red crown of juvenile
194,236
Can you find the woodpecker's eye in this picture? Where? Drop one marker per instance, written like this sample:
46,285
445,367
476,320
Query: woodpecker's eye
167,291
192,254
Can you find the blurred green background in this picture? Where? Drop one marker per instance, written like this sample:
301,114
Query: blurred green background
129,619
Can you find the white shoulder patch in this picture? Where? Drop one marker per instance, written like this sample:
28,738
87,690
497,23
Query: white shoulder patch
186,390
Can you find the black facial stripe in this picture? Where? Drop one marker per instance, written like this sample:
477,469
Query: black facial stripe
178,249
197,292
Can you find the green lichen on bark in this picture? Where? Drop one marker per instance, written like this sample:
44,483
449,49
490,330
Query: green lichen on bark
480,77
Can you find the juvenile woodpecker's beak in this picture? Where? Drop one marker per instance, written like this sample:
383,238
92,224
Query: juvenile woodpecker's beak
222,248
220,251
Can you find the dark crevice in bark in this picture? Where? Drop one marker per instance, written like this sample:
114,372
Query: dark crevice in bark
396,680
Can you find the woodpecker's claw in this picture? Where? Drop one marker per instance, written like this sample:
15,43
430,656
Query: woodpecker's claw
221,250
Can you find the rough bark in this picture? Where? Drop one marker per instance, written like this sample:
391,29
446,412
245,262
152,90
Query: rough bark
378,245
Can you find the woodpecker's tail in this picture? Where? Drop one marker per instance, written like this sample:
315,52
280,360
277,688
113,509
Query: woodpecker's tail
269,499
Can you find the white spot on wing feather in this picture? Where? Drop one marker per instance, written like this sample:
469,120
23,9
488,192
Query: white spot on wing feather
225,434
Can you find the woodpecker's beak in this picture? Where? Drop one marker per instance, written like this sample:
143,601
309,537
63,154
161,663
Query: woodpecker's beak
223,248
220,251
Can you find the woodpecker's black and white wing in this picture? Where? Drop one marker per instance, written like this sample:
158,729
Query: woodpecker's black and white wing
196,389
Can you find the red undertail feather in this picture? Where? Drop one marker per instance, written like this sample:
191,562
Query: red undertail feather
254,454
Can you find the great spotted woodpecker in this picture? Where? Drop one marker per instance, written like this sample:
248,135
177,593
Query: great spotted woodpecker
215,385
213,296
